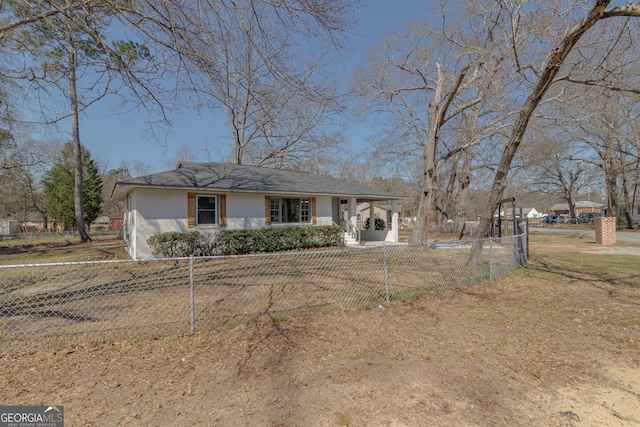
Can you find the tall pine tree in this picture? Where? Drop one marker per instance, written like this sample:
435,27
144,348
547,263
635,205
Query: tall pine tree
63,49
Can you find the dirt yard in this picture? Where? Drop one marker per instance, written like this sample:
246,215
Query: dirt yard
553,344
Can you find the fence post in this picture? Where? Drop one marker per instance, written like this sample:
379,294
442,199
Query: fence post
192,304
386,273
490,258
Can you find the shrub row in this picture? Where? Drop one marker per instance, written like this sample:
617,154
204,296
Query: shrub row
240,242
175,245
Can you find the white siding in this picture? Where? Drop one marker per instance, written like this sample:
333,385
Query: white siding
129,225
245,211
157,211
153,211
323,211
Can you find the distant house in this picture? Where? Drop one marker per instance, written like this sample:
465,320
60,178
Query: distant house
9,227
100,223
212,197
525,212
33,222
580,207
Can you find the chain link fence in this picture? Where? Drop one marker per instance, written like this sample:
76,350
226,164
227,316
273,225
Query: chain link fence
49,306
38,238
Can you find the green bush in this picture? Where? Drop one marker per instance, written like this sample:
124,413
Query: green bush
240,242
379,224
175,245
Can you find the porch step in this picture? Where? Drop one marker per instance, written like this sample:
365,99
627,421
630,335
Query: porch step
350,241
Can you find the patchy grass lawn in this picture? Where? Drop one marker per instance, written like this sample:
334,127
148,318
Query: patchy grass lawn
62,251
553,344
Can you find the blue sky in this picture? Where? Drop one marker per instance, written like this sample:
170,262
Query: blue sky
112,138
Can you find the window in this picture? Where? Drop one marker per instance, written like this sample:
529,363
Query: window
304,210
284,210
206,210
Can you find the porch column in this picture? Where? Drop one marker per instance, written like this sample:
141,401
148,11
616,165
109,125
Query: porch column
353,211
372,217
394,221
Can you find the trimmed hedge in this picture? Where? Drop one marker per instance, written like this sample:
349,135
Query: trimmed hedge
240,242
175,245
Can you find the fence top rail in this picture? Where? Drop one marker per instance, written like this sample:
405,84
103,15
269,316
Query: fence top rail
122,261
69,263
435,244
450,243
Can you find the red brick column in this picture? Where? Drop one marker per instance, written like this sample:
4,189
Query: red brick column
605,230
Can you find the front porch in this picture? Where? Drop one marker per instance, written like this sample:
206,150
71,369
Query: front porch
360,217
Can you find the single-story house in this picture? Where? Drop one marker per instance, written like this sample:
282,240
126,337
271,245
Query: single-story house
580,207
211,197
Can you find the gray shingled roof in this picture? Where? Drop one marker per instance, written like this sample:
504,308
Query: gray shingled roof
579,205
248,179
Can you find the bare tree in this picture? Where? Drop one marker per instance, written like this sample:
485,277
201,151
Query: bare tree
298,131
184,154
34,12
180,33
553,170
408,78
571,35
462,168
23,163
131,168
601,125
248,58
456,75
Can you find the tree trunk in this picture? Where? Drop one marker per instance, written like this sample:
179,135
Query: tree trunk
628,206
77,151
572,206
430,180
545,79
426,201
464,179
635,191
445,200
238,143
436,112
611,180
468,134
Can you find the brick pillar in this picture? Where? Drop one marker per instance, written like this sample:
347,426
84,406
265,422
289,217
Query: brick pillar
605,230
